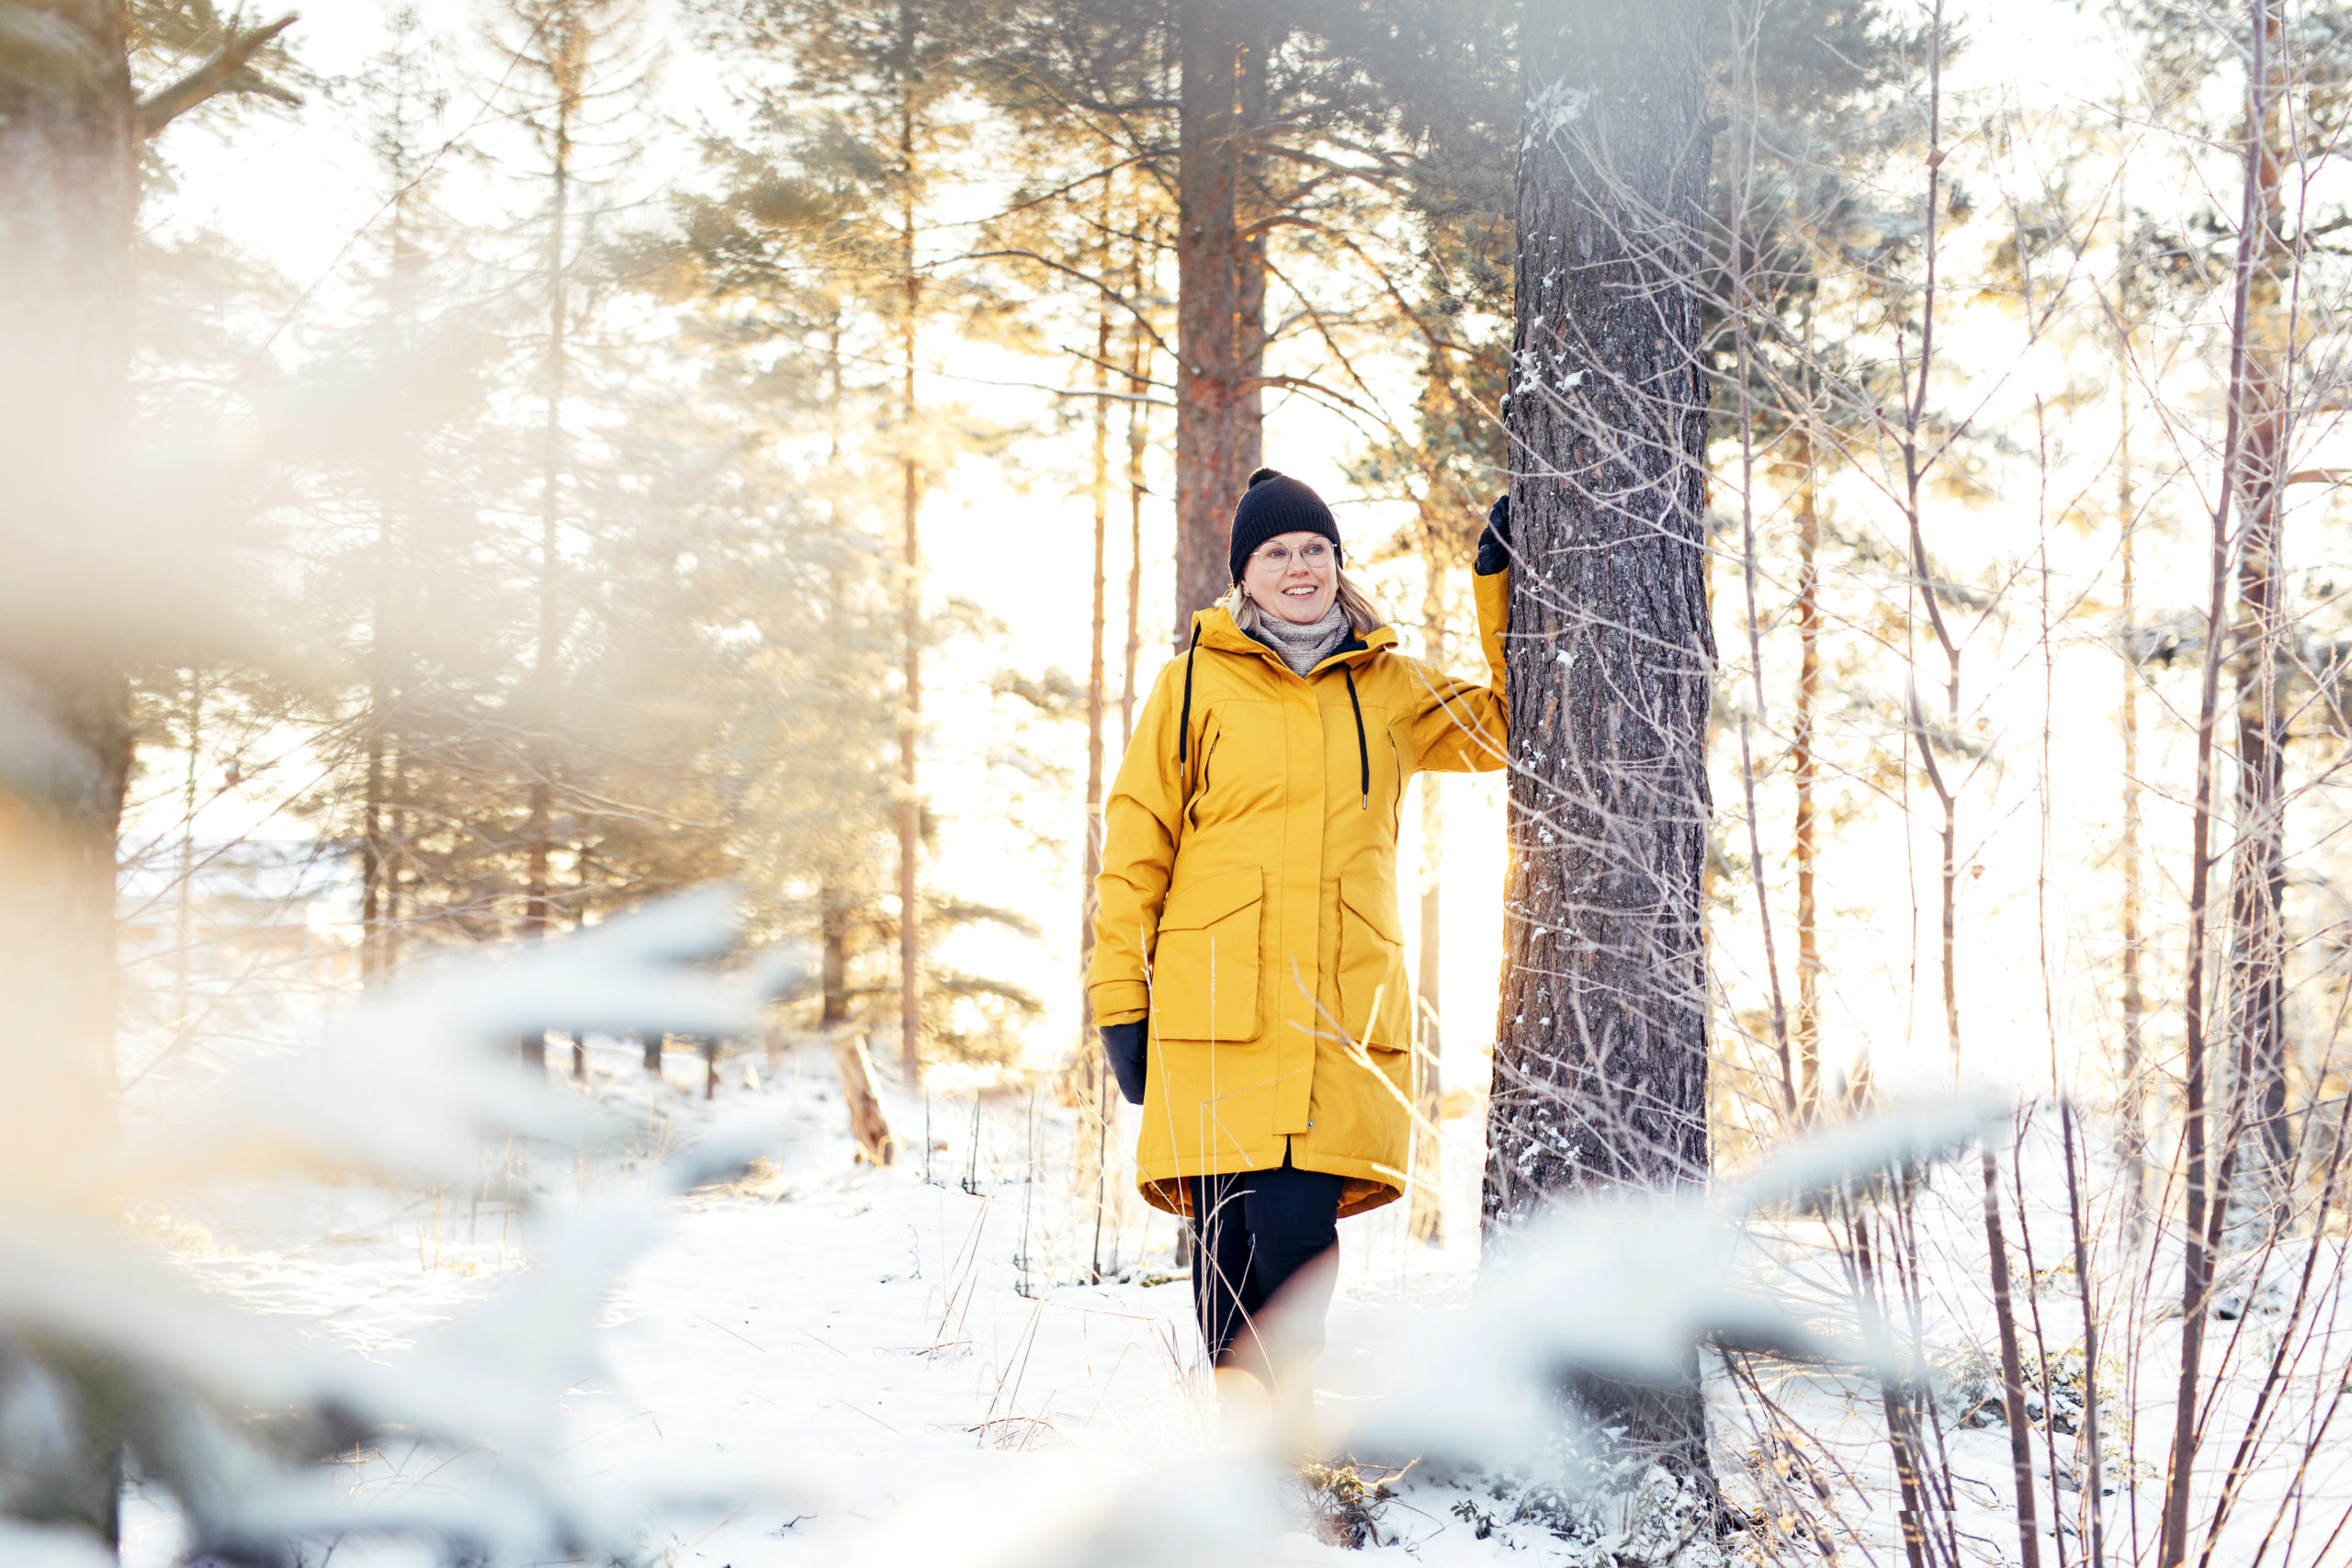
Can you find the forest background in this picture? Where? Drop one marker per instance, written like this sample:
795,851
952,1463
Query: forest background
611,449
424,194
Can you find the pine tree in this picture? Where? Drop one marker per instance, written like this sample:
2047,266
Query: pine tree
394,508
572,71
1602,1051
1810,88
871,93
813,272
86,573
1271,129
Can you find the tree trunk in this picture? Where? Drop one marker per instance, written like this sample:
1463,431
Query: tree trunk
1089,1070
68,189
1806,768
2266,1159
1139,417
378,898
535,904
911,630
2131,1128
1425,1222
540,827
1221,287
184,923
2205,1182
2005,1320
867,1124
832,926
1600,1057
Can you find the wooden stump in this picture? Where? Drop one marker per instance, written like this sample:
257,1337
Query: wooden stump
866,1122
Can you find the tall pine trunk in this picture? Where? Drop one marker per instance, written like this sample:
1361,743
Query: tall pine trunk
1138,435
1425,1222
1804,767
378,896
910,822
2131,1125
68,189
1600,1057
2265,1160
2205,1184
566,48
1091,1073
1221,286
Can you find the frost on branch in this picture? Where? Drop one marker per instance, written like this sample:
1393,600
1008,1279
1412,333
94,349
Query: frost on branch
104,1350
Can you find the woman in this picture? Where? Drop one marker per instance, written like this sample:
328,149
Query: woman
1248,970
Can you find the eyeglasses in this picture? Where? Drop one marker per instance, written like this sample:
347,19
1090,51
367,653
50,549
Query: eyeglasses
1314,557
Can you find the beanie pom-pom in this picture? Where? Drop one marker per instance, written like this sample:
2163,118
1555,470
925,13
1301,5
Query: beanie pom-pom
1261,476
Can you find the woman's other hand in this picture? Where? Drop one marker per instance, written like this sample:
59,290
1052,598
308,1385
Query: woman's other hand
1494,545
1123,1048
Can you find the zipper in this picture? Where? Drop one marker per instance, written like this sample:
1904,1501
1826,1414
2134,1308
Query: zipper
1208,752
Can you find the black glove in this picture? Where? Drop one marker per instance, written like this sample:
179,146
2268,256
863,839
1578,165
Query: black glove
1123,1048
1494,545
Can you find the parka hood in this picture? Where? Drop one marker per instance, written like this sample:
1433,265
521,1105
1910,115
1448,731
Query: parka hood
1216,628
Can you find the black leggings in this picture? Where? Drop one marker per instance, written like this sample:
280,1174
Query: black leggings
1251,1232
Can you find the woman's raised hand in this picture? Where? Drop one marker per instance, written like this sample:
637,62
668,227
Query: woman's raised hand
1494,545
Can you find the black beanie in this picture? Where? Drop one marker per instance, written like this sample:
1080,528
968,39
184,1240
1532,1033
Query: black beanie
1274,504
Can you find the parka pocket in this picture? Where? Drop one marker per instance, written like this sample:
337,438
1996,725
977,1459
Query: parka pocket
1375,999
1204,969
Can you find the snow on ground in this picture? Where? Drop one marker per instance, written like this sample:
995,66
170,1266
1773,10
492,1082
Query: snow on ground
824,1349
830,1363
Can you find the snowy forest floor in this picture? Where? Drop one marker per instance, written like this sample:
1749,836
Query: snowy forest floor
848,1364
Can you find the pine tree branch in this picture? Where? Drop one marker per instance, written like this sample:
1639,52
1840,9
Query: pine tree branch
228,69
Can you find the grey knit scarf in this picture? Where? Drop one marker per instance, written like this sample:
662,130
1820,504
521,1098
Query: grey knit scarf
1302,647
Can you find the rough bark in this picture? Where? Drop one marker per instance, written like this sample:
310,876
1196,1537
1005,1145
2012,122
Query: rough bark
909,802
1221,286
2130,1127
2205,1189
2012,1369
68,164
1138,437
1425,1222
1601,1060
564,57
1142,271
866,1122
68,170
2266,1159
1804,768
833,910
1089,1071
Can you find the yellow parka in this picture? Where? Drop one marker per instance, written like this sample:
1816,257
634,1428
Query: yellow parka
1248,899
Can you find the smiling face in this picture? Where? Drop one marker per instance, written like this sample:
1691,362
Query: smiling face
1294,576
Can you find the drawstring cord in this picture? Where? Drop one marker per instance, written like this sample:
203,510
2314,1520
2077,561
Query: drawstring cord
1184,722
1363,753
1184,729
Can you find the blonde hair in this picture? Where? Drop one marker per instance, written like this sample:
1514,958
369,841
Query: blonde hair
1363,616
